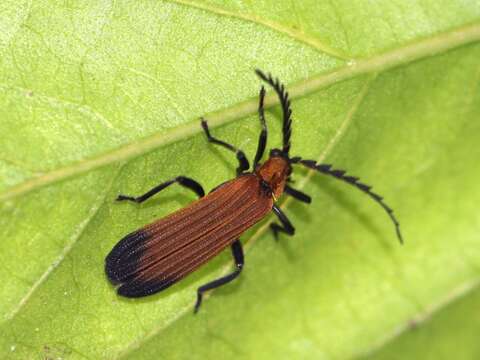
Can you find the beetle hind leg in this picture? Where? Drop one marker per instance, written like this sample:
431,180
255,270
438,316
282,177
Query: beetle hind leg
237,253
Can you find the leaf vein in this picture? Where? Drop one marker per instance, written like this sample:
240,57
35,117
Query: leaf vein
57,101
68,247
412,52
170,98
292,33
424,315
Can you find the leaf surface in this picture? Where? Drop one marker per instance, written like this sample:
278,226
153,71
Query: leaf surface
105,99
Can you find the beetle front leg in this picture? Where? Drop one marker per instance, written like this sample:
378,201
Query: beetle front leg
285,227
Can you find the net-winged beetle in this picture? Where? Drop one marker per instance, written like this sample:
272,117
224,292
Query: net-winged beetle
158,255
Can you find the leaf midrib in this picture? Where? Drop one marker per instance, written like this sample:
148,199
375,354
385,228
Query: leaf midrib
412,52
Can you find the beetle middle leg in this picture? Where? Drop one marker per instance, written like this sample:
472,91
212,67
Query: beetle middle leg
286,226
237,253
182,180
298,195
243,163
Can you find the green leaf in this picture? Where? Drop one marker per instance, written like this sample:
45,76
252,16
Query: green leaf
435,339
100,99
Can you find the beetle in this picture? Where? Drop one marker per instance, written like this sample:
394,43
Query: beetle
158,255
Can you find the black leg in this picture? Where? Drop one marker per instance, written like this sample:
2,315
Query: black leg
243,164
286,226
237,252
297,194
262,139
182,180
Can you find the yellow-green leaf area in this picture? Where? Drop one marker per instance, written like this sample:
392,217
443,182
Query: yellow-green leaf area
104,98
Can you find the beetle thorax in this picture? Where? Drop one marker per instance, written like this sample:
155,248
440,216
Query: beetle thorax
274,172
